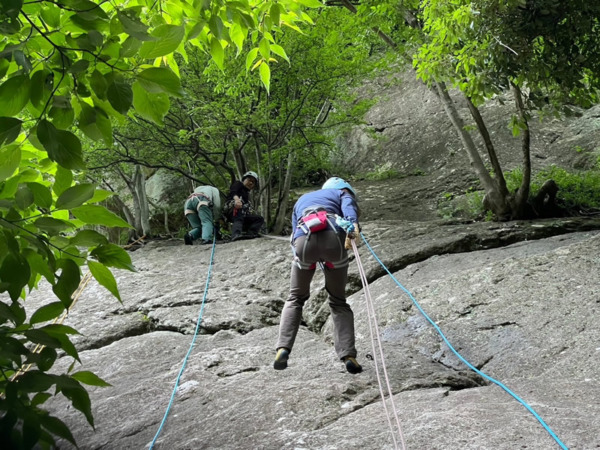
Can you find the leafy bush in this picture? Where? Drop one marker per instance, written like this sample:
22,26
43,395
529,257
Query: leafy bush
576,189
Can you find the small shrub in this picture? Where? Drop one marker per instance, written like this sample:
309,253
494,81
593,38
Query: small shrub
576,189
384,172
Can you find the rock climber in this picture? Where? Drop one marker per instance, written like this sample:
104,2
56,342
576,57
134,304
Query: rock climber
239,209
322,220
202,209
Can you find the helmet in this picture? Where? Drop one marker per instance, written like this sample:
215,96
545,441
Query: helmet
250,174
338,183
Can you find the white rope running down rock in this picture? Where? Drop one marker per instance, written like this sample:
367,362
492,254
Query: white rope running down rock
374,330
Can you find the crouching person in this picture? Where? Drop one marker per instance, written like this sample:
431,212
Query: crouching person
202,209
239,209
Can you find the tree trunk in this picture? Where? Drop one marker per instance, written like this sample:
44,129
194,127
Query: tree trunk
494,199
499,175
144,207
129,217
521,207
285,196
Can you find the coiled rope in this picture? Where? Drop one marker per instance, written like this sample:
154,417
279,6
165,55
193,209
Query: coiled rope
185,359
469,365
374,330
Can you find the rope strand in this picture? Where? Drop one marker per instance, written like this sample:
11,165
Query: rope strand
185,359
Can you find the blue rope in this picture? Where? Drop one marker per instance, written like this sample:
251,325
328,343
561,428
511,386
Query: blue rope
469,365
212,255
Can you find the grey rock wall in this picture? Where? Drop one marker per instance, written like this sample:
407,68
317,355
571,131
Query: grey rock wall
525,314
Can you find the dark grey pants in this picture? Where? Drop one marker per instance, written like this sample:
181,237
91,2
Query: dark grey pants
326,247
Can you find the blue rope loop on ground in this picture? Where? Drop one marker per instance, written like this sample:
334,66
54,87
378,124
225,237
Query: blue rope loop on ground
185,359
469,365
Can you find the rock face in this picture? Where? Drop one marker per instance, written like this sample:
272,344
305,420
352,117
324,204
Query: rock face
525,314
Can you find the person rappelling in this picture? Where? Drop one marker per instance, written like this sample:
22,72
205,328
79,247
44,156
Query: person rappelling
322,220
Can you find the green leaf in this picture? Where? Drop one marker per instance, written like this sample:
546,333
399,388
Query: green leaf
217,52
23,197
105,278
275,13
65,344
62,146
98,84
250,57
15,271
41,194
11,8
278,50
68,281
45,359
38,336
113,256
34,380
41,87
55,329
40,265
94,122
51,15
168,39
265,48
88,238
120,95
10,158
14,95
62,180
90,378
98,215
311,3
77,394
9,129
47,312
51,225
238,36
57,427
130,47
265,75
75,196
153,107
31,428
133,26
40,398
215,24
160,79
100,195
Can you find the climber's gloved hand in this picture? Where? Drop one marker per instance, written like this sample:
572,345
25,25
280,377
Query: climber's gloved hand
355,230
344,224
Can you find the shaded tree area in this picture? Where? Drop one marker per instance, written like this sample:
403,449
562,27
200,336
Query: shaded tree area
227,123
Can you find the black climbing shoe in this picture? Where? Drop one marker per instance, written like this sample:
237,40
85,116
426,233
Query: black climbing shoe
187,238
281,359
236,236
206,241
352,365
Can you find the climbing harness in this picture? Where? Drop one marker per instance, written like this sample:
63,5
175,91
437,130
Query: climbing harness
378,352
185,359
469,365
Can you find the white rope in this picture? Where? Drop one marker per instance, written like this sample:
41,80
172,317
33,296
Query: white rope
374,330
